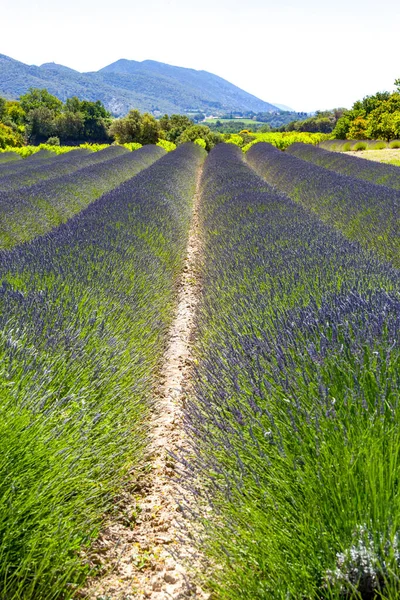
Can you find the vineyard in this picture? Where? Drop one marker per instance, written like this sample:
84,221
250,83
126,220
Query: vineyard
285,481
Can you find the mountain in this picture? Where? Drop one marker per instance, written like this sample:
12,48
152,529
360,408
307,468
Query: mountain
149,86
284,107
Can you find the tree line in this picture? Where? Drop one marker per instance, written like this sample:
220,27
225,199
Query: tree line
375,117
39,117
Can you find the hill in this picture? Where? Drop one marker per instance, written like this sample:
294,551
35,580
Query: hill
148,85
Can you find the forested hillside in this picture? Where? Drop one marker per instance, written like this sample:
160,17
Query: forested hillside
149,86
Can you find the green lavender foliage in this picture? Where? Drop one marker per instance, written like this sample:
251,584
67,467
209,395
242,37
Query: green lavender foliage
363,211
36,171
84,313
34,210
360,168
294,456
9,157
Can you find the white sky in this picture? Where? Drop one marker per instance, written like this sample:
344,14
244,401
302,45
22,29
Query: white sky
308,54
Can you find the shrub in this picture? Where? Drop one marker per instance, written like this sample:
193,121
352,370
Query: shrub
360,146
379,146
342,163
9,137
60,197
200,142
132,146
294,417
168,146
53,141
83,320
394,144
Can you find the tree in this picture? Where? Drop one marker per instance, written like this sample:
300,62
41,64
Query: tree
357,129
73,105
384,121
70,125
343,125
97,120
142,129
15,112
173,126
149,130
38,98
40,124
127,129
200,132
3,109
8,137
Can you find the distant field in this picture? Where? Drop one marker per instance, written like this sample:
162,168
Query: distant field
245,121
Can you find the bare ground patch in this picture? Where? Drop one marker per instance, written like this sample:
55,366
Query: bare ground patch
386,155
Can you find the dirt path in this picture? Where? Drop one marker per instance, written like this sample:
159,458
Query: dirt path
138,553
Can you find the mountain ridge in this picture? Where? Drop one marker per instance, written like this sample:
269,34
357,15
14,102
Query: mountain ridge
147,85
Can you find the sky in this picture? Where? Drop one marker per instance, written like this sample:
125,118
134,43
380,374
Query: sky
309,54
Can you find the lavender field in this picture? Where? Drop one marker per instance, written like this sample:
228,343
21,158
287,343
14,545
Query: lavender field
289,475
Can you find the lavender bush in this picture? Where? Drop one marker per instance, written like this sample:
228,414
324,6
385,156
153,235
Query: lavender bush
294,421
363,211
83,315
360,168
56,166
34,210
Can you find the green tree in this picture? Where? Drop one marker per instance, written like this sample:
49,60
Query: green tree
3,108
135,127
200,132
40,124
8,137
97,120
38,98
73,105
343,125
149,130
127,129
384,120
358,129
70,126
15,112
173,126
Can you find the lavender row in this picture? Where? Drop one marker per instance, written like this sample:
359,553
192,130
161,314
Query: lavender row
34,210
363,211
84,312
58,166
293,461
37,158
9,157
361,168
